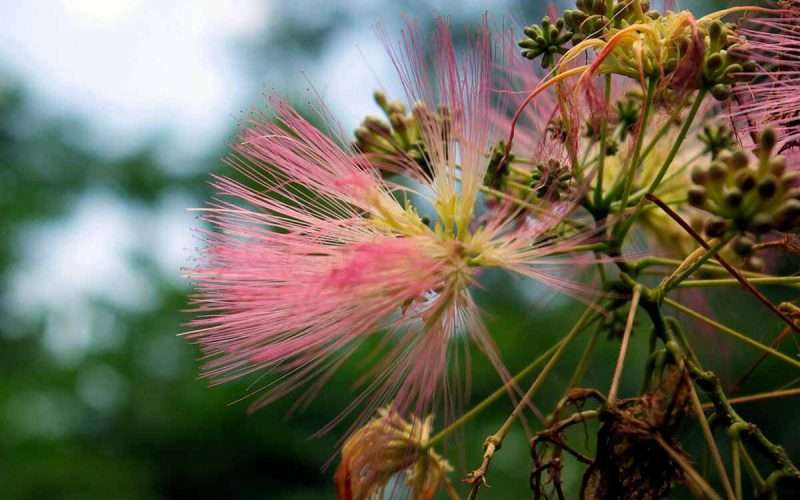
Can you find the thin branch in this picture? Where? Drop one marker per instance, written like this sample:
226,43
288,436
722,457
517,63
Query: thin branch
761,396
623,349
690,471
732,270
733,333
477,477
709,437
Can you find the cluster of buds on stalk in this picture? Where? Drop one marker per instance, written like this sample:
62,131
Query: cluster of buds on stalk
724,64
397,133
594,18
717,139
747,195
546,40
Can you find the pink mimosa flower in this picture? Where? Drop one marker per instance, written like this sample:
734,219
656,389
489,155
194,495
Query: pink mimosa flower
322,254
773,98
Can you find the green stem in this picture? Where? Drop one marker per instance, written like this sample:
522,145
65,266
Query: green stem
771,280
586,358
630,170
691,265
598,187
478,408
687,125
733,333
712,445
673,152
495,441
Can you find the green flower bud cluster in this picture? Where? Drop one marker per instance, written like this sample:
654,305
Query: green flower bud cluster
593,18
400,132
551,180
746,196
717,139
723,64
499,167
546,40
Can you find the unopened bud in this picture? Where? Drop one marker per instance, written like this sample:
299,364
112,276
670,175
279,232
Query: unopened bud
777,165
716,172
696,196
767,140
715,30
761,223
699,175
788,213
767,187
745,181
755,263
716,227
738,160
721,92
733,198
714,62
743,245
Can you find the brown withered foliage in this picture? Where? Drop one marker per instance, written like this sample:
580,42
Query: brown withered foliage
630,464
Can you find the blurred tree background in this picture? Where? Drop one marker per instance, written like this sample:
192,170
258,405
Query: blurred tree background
99,397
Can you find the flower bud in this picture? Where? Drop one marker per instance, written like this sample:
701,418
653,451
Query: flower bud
721,92
716,172
699,175
743,246
733,198
788,214
738,160
777,165
380,99
745,181
767,140
755,263
767,187
716,227
714,62
761,223
696,196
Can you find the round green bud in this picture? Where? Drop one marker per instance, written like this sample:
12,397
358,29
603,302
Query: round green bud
745,180
767,140
396,107
696,196
761,223
717,172
714,62
755,263
721,92
788,214
380,99
738,160
733,198
699,175
749,67
715,29
363,135
716,227
767,187
777,165
743,245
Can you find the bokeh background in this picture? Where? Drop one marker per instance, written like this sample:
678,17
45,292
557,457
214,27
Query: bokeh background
112,114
